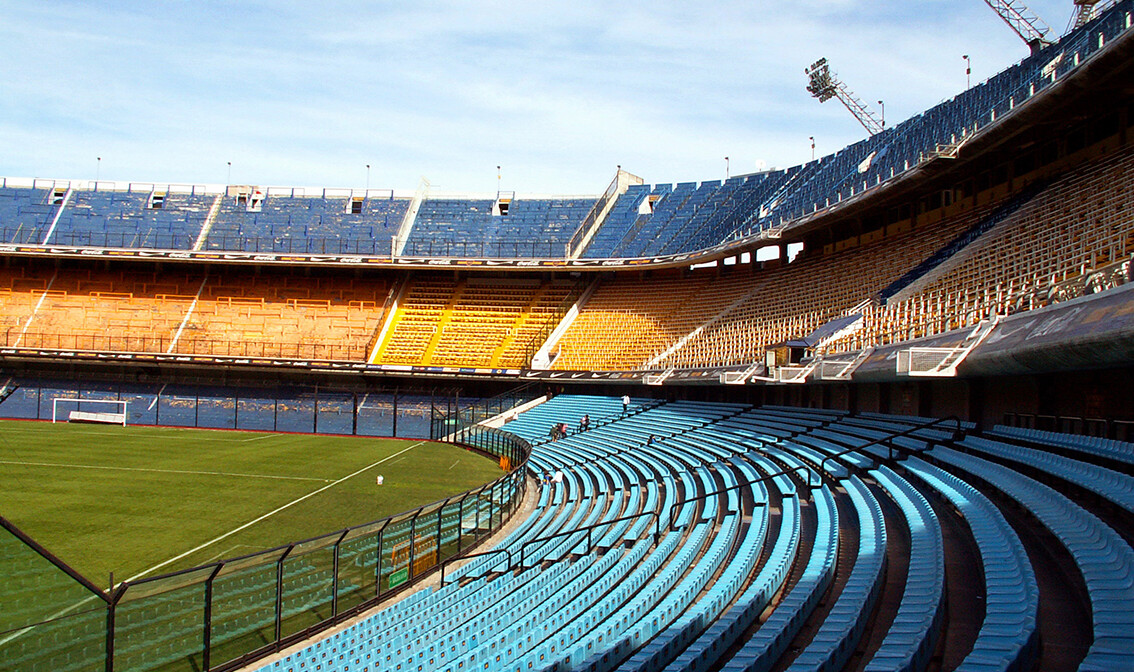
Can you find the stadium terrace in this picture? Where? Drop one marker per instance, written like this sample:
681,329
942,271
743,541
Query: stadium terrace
870,412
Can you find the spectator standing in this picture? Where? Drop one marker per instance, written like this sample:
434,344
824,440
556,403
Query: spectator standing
625,404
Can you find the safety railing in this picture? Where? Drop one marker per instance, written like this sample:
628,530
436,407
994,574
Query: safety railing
958,434
453,419
477,249
228,613
140,343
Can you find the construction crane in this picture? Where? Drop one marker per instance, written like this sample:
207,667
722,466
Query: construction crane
1031,29
824,85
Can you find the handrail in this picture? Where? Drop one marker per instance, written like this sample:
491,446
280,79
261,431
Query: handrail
470,418
648,405
959,433
591,219
587,529
767,477
495,551
539,338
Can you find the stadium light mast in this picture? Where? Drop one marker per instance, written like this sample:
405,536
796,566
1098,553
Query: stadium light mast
824,85
1031,29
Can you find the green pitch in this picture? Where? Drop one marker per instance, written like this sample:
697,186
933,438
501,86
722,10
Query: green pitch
128,500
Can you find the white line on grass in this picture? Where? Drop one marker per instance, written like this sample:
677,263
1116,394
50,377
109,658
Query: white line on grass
162,471
454,464
270,514
167,433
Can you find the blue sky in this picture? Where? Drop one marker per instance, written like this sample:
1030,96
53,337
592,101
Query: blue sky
557,93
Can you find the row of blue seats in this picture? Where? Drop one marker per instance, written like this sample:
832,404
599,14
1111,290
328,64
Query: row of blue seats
1104,559
652,607
549,223
1119,451
694,620
1102,556
556,454
674,460
839,634
766,646
913,634
1009,635
566,646
998,646
1106,483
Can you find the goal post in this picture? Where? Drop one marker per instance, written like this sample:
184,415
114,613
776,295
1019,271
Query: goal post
117,415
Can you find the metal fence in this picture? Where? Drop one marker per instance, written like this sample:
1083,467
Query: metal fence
450,421
226,614
157,239
503,249
395,411
142,343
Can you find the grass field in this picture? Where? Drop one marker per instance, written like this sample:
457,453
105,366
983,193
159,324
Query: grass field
128,500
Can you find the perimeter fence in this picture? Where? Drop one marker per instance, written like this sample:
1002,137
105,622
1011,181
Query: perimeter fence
226,614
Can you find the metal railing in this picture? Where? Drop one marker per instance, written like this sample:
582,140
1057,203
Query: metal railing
153,239
454,420
958,434
128,343
228,613
477,249
592,219
550,325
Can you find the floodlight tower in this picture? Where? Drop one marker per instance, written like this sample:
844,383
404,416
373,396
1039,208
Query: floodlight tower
1031,29
824,85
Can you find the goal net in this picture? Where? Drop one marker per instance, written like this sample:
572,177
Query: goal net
107,411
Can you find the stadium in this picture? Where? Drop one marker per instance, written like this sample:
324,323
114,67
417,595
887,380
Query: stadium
868,412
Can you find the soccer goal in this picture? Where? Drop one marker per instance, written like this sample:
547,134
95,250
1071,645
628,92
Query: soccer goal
117,416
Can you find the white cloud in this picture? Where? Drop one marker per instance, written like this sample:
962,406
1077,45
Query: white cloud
557,92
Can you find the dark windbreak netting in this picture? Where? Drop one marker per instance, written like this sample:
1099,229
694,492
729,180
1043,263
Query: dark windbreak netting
216,408
308,585
244,605
49,620
334,413
376,415
255,411
158,623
